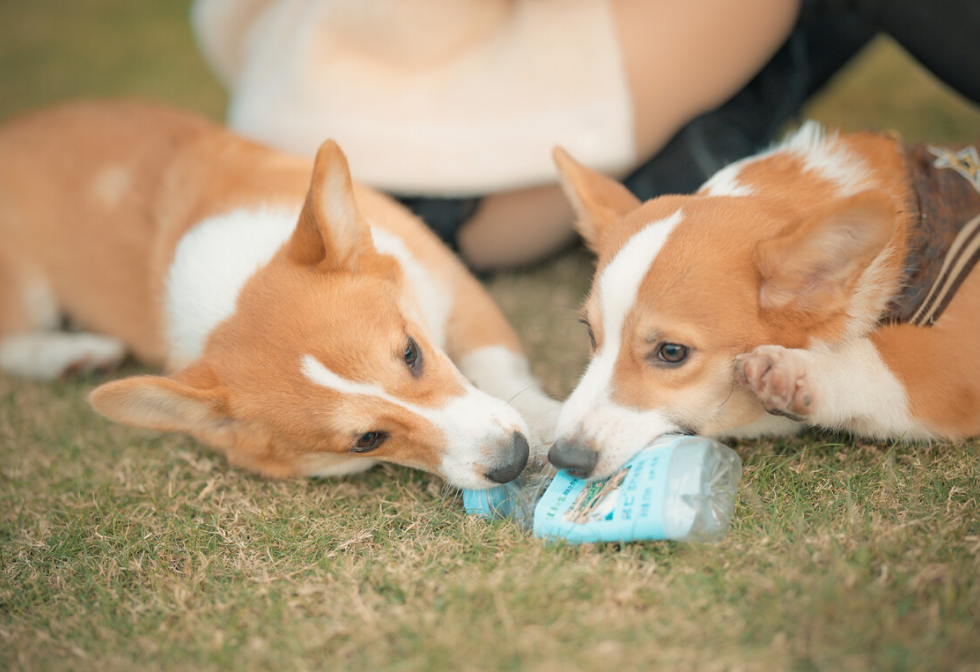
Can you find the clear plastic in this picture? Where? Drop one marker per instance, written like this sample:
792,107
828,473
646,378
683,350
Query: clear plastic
682,488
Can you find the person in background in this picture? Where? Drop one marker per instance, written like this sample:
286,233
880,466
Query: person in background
453,106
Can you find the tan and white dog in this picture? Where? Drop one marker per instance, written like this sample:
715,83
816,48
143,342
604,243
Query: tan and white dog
824,282
312,328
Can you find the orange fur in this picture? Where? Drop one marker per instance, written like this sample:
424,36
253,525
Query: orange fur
94,198
788,262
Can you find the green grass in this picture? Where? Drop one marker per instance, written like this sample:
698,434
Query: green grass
123,550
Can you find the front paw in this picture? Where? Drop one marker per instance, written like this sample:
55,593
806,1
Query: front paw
778,377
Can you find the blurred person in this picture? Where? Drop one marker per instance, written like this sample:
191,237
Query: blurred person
454,105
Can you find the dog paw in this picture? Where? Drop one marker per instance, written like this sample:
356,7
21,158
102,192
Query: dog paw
90,353
51,355
778,377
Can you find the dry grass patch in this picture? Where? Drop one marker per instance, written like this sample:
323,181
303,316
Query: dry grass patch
122,549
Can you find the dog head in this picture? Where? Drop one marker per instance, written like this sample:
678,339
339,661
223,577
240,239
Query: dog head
684,284
327,365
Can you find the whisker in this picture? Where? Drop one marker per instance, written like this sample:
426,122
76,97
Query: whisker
714,415
519,393
730,393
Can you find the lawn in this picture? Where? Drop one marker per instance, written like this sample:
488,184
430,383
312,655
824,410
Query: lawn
129,550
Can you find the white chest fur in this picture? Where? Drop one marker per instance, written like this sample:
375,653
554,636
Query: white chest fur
216,257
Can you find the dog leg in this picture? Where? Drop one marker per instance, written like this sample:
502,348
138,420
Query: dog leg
505,374
30,344
778,377
848,387
48,355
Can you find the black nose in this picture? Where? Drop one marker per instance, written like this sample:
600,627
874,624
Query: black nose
513,464
573,457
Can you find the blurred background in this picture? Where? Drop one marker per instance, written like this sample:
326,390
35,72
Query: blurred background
51,50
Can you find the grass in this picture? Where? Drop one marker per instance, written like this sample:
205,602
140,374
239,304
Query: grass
122,549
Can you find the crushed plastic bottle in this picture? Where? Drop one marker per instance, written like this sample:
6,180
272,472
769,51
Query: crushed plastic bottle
680,487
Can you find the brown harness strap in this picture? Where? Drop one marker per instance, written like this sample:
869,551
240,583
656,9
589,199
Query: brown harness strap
944,242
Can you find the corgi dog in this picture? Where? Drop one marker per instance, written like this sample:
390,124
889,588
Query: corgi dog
824,282
309,325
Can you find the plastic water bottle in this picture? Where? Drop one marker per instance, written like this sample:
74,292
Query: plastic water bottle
680,487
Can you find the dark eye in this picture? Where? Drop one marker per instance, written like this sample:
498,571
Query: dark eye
413,357
591,334
672,353
368,442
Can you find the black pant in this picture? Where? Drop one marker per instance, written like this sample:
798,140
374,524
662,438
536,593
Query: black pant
941,34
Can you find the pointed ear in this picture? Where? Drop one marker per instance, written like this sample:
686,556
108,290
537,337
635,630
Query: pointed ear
190,401
598,200
330,233
813,265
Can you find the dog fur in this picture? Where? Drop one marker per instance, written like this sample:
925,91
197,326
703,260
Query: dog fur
776,282
311,325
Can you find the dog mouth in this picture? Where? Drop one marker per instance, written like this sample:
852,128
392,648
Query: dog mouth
500,461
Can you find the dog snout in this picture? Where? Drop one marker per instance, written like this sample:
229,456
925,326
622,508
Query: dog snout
573,457
512,463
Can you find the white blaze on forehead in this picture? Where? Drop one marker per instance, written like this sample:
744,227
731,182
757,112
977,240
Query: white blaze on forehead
615,431
620,281
470,422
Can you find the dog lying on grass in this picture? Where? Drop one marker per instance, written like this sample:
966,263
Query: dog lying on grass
313,326
824,282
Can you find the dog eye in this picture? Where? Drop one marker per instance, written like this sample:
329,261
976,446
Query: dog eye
672,353
413,357
591,334
369,441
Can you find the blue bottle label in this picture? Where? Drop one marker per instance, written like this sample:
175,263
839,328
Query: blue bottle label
498,501
626,506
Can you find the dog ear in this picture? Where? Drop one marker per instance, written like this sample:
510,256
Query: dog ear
191,401
813,265
598,200
330,232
